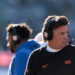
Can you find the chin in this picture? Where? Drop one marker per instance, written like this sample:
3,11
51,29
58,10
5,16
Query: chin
64,45
11,49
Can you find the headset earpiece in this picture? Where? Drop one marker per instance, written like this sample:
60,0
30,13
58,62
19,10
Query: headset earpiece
15,36
48,31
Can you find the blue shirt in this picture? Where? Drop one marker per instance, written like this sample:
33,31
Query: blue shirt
19,60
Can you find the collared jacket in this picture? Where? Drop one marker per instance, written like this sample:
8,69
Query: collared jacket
19,60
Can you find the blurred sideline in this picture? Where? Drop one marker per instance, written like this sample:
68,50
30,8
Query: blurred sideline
5,58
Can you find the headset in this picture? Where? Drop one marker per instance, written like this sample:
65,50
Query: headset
16,38
48,31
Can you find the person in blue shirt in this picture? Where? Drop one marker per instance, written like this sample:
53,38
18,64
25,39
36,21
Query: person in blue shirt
18,42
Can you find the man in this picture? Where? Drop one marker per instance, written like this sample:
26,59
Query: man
58,57
17,37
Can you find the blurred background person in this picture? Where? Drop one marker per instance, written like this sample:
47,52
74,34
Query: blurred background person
39,38
17,37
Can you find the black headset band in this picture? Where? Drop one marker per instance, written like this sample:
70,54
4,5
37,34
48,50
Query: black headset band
49,23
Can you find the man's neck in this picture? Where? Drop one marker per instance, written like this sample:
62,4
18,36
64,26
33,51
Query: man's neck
53,46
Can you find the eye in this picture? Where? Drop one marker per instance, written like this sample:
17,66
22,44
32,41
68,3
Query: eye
62,33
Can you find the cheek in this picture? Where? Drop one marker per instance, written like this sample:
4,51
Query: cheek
58,39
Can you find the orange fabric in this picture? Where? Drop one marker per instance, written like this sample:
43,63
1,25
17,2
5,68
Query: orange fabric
44,66
27,70
68,62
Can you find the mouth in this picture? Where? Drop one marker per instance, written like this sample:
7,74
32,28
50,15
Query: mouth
65,42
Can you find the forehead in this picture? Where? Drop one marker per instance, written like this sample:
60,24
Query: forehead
61,29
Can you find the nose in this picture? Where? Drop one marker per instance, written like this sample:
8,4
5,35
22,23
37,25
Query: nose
6,37
66,35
